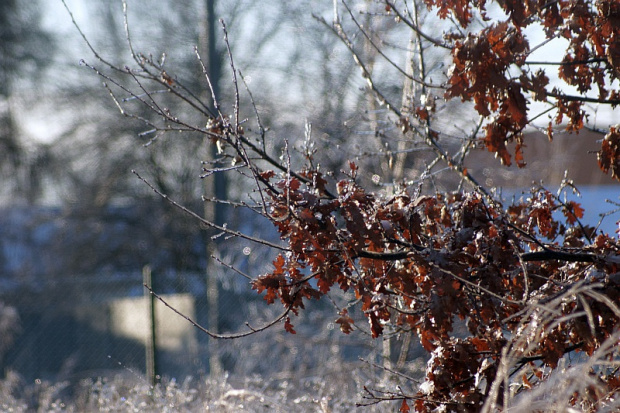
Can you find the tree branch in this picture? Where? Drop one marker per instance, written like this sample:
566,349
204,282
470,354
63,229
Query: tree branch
548,255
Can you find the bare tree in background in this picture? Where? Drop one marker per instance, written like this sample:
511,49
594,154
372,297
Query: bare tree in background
26,50
9,328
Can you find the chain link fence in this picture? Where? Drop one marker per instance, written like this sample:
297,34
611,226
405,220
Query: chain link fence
62,326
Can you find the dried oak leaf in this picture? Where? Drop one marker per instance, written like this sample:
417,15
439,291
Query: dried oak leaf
495,141
346,322
288,326
573,211
609,155
271,282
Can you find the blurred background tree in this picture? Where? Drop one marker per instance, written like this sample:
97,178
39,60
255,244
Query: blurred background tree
26,50
75,211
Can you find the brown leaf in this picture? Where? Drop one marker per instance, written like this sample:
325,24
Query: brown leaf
573,211
346,322
609,155
288,326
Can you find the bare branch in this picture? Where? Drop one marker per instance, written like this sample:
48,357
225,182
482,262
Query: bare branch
220,336
209,223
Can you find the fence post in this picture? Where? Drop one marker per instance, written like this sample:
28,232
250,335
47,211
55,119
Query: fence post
151,339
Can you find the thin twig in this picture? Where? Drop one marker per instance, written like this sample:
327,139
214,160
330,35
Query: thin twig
209,223
380,51
261,129
216,105
341,34
234,75
220,336
415,28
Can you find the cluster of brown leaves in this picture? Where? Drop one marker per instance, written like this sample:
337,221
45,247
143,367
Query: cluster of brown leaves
528,284
422,265
609,155
482,59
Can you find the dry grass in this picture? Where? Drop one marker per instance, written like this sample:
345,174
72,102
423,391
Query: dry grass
574,385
